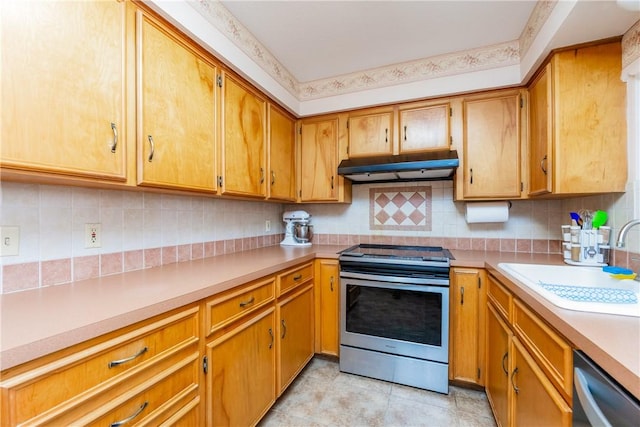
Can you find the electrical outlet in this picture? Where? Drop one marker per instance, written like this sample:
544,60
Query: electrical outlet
9,241
92,236
267,225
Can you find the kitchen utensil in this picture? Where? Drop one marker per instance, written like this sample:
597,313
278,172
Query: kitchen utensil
575,217
599,219
587,219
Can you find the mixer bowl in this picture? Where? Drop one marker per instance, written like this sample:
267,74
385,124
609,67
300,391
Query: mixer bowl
303,232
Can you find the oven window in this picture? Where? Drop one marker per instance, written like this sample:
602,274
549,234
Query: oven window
397,314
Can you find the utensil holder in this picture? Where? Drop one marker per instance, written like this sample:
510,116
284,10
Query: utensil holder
588,247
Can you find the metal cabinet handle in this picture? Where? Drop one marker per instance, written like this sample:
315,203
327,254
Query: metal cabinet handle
332,182
515,387
246,303
542,164
405,133
331,283
128,359
298,277
153,147
503,359
273,177
470,176
132,416
386,135
271,335
462,295
261,175
284,329
114,144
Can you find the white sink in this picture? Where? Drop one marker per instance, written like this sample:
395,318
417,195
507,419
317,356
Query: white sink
579,288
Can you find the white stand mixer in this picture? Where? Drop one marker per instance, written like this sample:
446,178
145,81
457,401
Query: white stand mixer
297,229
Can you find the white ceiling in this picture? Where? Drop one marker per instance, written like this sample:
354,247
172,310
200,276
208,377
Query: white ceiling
322,39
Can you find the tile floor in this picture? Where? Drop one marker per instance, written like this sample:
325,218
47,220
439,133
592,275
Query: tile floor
324,396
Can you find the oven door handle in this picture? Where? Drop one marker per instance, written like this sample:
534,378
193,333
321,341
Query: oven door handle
392,280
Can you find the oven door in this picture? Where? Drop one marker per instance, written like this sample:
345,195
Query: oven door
395,317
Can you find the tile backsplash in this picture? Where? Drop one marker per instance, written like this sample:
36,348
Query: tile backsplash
142,229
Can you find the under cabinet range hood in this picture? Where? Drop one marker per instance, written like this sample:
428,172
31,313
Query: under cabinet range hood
429,166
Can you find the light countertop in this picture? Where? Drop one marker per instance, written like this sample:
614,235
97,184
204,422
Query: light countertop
40,321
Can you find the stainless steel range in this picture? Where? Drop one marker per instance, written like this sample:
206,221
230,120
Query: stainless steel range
394,314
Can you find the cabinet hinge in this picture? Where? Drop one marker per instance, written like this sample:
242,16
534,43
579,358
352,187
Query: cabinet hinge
205,364
478,373
450,112
219,180
219,79
347,124
300,192
450,139
521,103
347,150
300,130
521,186
479,282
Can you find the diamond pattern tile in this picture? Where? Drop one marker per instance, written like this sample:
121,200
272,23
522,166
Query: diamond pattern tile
400,208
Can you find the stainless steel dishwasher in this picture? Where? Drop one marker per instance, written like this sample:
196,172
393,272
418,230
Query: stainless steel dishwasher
598,400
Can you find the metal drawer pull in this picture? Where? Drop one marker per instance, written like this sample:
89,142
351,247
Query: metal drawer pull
246,303
131,417
589,405
153,147
462,295
513,374
284,329
128,359
298,277
115,137
503,359
261,175
271,335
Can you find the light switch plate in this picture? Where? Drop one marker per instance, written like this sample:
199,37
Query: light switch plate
9,241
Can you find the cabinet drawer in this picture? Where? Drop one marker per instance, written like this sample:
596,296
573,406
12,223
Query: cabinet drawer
149,402
230,306
117,358
551,351
501,298
292,278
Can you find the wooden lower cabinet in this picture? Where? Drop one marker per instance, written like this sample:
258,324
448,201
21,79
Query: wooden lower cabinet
519,389
467,314
295,331
149,372
327,307
536,402
241,378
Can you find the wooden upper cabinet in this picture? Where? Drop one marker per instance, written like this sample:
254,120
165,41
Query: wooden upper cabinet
585,119
491,146
424,127
177,110
371,133
540,136
243,139
281,177
63,87
318,159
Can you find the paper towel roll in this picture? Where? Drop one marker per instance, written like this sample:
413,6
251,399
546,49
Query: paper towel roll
487,212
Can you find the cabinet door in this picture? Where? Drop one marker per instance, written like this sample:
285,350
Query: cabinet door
491,145
241,382
468,302
281,155
243,142
295,327
498,366
176,124
425,128
327,318
318,160
540,137
63,87
536,402
371,134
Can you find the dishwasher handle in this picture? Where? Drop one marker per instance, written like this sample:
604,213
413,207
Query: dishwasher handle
589,404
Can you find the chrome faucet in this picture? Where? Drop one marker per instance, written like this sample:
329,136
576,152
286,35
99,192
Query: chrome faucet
623,232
